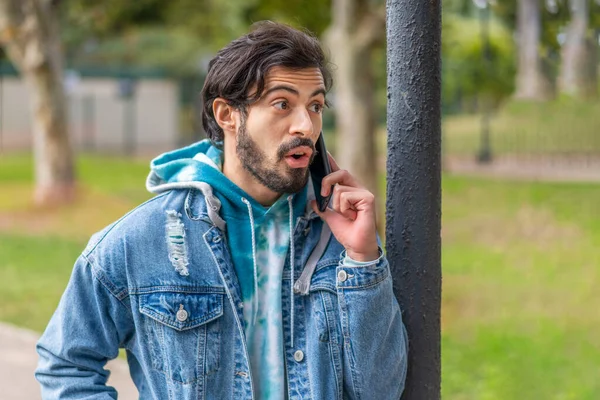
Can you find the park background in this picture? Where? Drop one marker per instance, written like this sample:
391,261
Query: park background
521,157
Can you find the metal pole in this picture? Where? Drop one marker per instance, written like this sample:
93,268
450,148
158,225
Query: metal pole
89,122
485,151
129,126
414,183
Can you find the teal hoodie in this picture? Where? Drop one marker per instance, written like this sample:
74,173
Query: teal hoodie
259,240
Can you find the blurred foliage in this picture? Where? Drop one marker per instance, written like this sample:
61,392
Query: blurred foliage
555,17
555,14
177,35
465,74
180,36
173,50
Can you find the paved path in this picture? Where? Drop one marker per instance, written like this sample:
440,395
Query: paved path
532,168
19,359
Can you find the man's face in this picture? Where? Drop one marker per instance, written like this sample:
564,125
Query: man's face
275,141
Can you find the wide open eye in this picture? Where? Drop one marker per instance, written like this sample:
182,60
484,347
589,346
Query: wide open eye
316,108
281,105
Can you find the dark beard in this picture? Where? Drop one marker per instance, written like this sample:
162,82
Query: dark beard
255,161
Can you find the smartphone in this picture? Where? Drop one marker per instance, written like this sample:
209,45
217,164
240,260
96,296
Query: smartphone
319,169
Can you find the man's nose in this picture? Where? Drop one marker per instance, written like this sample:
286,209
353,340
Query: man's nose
302,123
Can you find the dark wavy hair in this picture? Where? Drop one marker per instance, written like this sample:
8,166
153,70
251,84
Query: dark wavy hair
245,62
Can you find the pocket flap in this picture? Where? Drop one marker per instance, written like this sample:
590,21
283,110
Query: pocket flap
324,277
182,311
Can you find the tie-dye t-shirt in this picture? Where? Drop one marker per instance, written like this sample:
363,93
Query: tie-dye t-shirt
259,240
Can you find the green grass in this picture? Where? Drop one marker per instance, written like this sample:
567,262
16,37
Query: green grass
559,127
521,265
121,177
33,274
520,306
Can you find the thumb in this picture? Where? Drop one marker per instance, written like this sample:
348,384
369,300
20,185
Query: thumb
315,208
329,216
324,214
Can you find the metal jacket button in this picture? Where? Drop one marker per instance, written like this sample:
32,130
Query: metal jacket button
181,315
298,355
342,276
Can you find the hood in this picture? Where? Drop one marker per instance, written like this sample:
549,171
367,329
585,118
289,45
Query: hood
196,166
198,162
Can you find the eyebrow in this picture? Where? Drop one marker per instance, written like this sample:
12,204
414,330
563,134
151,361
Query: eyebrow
294,91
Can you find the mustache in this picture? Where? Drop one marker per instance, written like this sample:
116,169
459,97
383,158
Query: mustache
295,142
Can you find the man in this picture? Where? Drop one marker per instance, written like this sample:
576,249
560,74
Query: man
230,284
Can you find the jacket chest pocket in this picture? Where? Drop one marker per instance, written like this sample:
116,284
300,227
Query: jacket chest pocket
183,333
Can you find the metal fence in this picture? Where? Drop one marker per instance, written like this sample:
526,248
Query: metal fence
558,139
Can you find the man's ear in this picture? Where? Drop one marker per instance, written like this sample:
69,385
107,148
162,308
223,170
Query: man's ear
226,115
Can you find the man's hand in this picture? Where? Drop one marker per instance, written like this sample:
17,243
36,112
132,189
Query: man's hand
352,216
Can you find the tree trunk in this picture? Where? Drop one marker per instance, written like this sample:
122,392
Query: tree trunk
29,31
576,54
355,30
532,83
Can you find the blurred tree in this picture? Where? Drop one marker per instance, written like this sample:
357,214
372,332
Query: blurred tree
531,83
315,18
465,77
577,66
357,27
461,7
194,28
29,30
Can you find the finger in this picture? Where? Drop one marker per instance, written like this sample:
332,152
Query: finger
329,216
346,206
315,207
338,190
332,163
341,177
352,202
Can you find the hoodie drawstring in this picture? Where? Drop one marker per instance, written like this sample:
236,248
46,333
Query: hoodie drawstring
255,297
292,256
292,263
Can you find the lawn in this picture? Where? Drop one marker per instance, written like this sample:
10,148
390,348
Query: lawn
521,314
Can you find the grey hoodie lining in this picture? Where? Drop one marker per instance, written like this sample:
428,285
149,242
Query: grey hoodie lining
213,204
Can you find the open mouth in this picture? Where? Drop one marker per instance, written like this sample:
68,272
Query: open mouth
299,157
299,152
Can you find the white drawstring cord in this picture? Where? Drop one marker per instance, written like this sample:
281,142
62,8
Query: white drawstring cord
255,297
292,256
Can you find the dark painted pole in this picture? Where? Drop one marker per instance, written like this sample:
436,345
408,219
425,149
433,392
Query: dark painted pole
413,183
485,150
89,122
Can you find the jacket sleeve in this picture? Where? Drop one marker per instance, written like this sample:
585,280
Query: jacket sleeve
82,335
375,342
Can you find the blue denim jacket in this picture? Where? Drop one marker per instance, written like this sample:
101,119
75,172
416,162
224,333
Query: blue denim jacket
184,335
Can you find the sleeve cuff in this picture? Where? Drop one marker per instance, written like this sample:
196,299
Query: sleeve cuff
350,262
